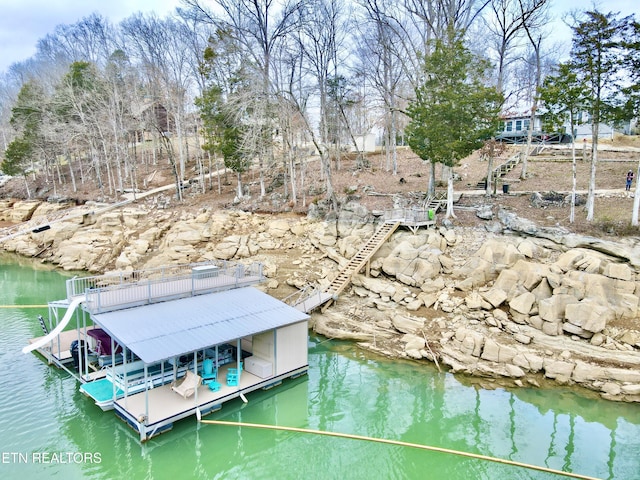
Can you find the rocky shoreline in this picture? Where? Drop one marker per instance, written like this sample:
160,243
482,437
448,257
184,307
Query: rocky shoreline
507,302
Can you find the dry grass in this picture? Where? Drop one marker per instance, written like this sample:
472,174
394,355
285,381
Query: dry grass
377,188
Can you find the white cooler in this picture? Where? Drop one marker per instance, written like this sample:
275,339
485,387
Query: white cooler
258,367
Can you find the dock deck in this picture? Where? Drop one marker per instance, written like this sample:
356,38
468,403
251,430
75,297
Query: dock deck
105,298
162,315
58,352
166,406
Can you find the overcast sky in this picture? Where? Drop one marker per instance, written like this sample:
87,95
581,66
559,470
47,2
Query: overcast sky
23,22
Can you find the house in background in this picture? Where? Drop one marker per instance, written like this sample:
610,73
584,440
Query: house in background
366,142
514,127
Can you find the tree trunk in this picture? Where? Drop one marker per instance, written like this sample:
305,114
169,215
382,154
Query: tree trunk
489,181
572,214
239,192
636,199
592,180
431,189
26,184
450,195
72,173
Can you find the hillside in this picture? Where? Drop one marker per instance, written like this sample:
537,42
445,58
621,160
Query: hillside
375,187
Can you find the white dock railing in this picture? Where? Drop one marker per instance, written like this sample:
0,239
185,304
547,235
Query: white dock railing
126,289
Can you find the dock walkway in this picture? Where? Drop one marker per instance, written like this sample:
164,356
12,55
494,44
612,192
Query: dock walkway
166,406
312,297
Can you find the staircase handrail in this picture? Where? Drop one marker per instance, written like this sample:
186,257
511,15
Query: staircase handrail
301,295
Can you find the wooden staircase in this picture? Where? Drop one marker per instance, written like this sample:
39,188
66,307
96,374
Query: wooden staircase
355,265
435,202
360,259
500,170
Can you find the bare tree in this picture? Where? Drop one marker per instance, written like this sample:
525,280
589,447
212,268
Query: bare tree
442,16
383,64
532,25
160,45
259,26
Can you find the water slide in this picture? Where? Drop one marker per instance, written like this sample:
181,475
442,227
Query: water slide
56,331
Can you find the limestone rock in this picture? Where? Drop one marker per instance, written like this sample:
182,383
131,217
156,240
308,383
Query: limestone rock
588,315
556,368
379,286
528,361
279,228
406,324
552,309
413,342
22,211
474,301
514,371
471,342
619,271
428,299
495,296
522,303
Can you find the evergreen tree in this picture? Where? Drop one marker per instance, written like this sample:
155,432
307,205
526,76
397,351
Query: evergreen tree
16,159
454,111
596,60
222,121
27,120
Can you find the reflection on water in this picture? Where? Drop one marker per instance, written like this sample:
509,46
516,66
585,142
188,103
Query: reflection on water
346,390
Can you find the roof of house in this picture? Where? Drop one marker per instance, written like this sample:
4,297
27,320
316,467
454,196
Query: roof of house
168,329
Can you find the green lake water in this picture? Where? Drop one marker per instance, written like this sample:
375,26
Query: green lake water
50,430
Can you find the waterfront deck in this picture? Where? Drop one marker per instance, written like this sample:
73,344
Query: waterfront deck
166,406
108,293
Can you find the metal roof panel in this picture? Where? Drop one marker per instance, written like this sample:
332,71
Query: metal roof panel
168,329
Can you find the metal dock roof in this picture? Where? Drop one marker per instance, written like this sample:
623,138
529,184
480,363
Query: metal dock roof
168,329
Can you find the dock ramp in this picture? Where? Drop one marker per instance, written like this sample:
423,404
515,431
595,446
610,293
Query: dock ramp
312,297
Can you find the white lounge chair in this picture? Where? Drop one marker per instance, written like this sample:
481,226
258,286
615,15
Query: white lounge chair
188,385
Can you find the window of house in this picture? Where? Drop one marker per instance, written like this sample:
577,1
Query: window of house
518,125
509,126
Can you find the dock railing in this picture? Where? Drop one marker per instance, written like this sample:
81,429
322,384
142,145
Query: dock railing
410,216
114,291
307,298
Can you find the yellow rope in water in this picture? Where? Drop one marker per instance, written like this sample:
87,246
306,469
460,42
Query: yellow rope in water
24,306
402,444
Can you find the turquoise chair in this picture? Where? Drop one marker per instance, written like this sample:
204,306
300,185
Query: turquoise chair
209,374
233,375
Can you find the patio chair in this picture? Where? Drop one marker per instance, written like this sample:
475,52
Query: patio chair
233,376
187,386
209,372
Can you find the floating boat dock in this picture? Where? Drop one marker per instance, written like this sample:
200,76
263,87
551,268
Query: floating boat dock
161,345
